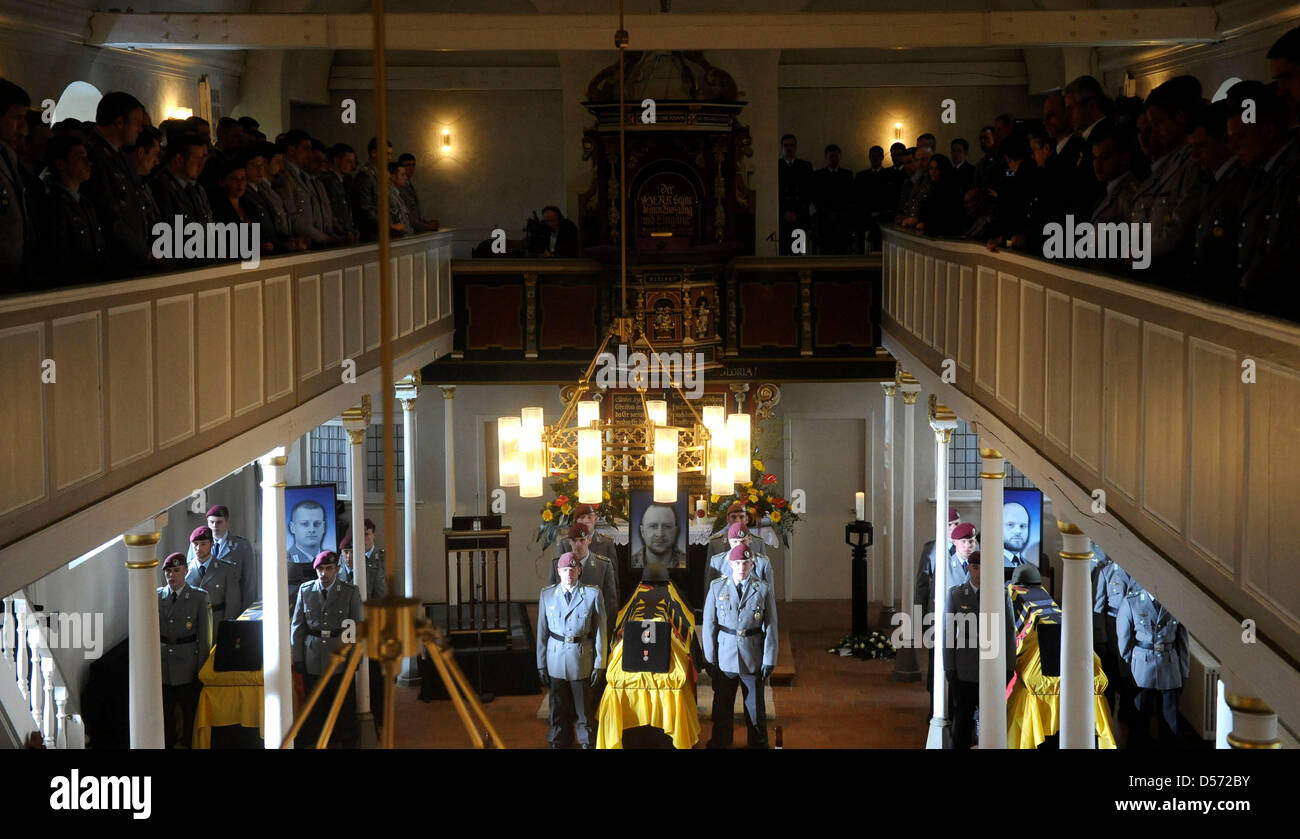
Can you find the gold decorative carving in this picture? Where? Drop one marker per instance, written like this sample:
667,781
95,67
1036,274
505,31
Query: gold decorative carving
142,540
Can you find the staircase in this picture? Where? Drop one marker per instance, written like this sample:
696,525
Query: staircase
33,693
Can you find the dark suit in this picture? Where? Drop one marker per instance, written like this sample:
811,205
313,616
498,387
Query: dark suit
833,198
962,657
1269,268
1215,241
875,194
562,243
17,224
964,175
175,197
794,185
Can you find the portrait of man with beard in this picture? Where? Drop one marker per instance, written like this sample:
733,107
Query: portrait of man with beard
658,532
1021,524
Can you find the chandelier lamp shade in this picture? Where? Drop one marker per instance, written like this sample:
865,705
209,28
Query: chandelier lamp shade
508,451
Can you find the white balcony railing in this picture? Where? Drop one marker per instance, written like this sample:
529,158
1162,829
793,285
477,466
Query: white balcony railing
33,693
107,385
1183,412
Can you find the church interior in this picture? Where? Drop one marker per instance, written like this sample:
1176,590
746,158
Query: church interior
642,417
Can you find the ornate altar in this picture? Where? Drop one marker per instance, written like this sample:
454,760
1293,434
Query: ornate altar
688,195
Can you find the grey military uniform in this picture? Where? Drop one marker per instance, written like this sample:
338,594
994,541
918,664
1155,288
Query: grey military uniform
740,632
1215,244
1170,200
318,622
1268,258
571,642
300,203
222,582
720,566
177,197
239,551
365,191
956,575
1116,204
600,544
596,571
265,196
376,573
397,211
1113,585
1153,642
73,240
962,653
336,189
185,629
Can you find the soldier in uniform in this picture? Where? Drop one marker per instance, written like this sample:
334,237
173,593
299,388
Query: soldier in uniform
600,544
17,225
959,552
74,240
376,565
571,643
1170,198
719,542
962,642
365,191
218,577
659,530
1111,587
113,187
307,527
236,549
320,616
1214,246
175,186
336,181
293,189
720,565
740,647
1155,646
593,571
185,629
376,586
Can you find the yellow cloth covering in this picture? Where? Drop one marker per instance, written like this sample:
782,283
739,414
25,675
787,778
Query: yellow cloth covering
1034,706
231,697
664,700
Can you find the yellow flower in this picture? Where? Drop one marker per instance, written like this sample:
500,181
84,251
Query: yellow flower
547,515
604,494
713,499
566,509
758,464
776,516
747,484
753,497
573,475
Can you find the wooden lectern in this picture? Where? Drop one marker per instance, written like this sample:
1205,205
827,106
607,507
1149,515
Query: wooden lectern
475,562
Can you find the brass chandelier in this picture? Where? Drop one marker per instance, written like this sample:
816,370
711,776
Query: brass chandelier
715,445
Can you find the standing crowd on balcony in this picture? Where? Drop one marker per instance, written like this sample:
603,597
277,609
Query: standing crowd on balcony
79,201
1218,183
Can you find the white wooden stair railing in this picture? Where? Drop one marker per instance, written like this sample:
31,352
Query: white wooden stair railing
33,693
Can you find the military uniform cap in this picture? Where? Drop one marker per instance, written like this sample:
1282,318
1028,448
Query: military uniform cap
953,515
173,558
325,558
739,553
346,544
219,510
736,507
1026,575
583,510
963,531
200,533
567,560
737,530
578,530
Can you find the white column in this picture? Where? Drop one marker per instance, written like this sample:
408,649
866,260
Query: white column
449,450
20,650
1078,709
355,422
906,666
144,654
408,390
1254,724
885,543
277,660
944,422
61,717
993,605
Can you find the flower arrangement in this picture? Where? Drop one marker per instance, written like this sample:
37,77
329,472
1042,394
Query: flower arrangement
873,645
762,499
557,515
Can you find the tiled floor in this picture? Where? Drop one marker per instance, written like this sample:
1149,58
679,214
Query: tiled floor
833,702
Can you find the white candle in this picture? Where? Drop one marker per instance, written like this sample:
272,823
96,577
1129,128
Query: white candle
699,508
860,505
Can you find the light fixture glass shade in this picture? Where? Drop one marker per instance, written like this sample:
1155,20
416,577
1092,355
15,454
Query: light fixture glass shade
714,416
508,451
720,480
657,411
665,464
588,412
738,426
589,483
531,471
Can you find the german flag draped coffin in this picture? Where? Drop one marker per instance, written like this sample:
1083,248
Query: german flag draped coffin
1034,696
655,614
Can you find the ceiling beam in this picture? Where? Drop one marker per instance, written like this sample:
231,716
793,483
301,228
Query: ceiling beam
433,31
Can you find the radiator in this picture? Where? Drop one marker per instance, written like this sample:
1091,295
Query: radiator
1199,704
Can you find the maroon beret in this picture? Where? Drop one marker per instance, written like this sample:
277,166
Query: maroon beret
173,559
202,532
963,531
740,553
568,560
325,558
219,510
737,530
346,544
953,515
583,510
578,529
736,507
370,525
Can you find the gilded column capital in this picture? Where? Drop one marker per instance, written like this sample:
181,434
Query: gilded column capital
448,391
889,388
1075,544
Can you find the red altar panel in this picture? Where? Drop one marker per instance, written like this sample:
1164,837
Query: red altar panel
492,317
769,314
568,316
843,314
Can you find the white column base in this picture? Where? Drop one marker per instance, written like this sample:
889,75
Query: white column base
937,737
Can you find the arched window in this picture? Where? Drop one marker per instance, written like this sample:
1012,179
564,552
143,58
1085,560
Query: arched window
1222,92
78,101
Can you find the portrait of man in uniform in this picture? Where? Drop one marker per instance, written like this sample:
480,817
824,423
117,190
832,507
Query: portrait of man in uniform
310,521
658,530
1022,521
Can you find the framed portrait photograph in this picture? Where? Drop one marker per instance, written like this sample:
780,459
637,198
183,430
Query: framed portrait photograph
658,531
1022,526
309,522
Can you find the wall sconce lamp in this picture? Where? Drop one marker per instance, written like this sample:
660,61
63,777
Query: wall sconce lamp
446,141
898,131
179,113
